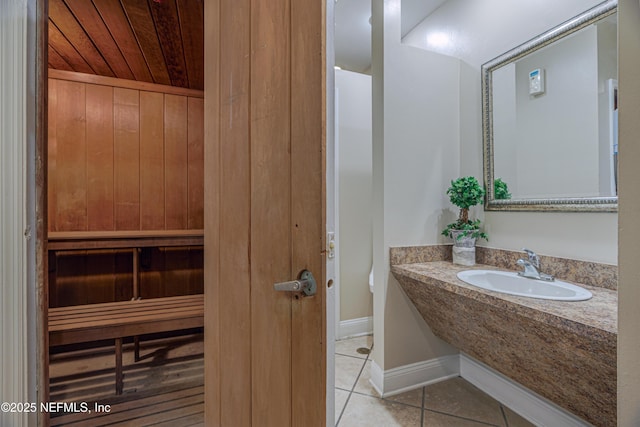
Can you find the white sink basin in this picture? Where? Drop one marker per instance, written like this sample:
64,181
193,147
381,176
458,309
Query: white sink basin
511,283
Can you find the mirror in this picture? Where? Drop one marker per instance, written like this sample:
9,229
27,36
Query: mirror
550,119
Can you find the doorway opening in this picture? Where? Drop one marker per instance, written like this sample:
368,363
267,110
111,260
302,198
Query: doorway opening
353,166
125,209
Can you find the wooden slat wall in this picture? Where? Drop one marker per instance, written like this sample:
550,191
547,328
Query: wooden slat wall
71,186
100,174
124,159
175,161
152,160
195,156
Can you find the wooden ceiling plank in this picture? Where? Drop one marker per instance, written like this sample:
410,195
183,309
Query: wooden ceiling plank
116,21
69,26
91,21
165,17
141,21
191,13
67,51
57,62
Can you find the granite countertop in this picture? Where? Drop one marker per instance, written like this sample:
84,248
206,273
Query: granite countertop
594,318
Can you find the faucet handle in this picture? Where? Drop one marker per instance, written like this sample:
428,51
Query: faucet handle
533,257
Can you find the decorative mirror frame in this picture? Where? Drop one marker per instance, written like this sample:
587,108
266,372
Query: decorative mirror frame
573,204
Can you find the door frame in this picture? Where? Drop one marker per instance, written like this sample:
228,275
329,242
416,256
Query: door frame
26,292
333,266
41,196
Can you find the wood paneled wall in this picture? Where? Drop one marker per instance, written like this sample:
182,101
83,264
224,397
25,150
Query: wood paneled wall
123,155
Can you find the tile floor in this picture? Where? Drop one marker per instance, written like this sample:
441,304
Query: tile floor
451,403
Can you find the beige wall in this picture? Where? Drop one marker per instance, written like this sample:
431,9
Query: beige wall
415,155
629,233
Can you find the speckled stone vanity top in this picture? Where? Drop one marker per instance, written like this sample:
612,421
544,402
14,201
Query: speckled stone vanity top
562,350
594,317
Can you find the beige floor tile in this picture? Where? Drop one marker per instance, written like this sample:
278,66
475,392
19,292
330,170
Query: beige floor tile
350,346
347,371
364,385
460,398
434,419
413,397
515,420
341,399
367,411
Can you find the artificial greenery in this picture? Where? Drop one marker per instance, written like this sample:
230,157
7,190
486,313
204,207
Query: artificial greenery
500,189
464,193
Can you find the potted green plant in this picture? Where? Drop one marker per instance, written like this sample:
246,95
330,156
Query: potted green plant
465,192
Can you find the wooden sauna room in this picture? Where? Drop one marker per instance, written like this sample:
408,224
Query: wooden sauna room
125,211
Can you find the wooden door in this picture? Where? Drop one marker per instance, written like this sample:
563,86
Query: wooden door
264,212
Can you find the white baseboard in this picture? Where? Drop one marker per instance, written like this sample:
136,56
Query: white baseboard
377,377
518,398
355,327
526,403
409,377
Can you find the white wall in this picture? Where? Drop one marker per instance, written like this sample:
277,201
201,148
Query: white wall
355,228
415,155
477,32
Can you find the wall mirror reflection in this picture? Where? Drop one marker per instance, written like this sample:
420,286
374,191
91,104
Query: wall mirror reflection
550,118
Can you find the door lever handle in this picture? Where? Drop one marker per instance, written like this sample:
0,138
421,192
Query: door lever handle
292,286
306,284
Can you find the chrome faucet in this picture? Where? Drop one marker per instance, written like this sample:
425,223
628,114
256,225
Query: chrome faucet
532,267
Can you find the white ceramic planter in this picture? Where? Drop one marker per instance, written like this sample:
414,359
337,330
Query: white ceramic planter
464,249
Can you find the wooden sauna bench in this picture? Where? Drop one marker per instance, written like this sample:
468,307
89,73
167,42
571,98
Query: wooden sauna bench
117,320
